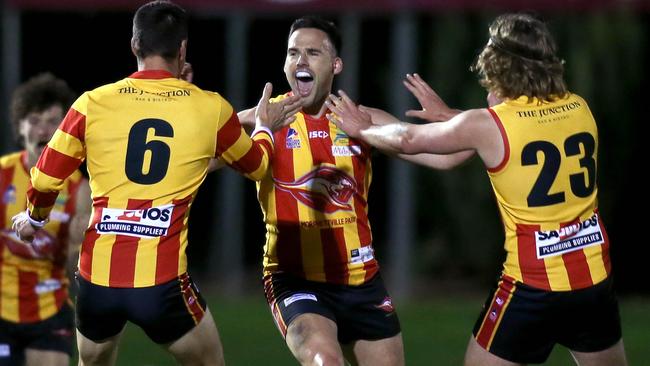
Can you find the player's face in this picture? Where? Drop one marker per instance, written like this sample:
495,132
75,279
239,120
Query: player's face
310,66
37,128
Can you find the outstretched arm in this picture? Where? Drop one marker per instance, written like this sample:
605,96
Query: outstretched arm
469,130
434,161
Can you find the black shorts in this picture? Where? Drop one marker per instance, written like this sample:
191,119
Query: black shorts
522,324
165,312
360,312
53,334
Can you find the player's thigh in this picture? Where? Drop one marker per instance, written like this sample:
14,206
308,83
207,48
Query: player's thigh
98,353
36,357
199,346
382,352
313,338
475,355
613,356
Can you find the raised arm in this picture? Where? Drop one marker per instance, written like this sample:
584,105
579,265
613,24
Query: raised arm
434,161
470,130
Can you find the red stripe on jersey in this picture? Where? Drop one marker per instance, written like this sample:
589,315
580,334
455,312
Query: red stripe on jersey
605,247
533,270
41,199
61,294
576,265
191,299
506,143
271,299
123,254
361,166
28,303
251,160
267,146
6,177
74,123
228,134
58,165
577,269
88,245
169,248
289,250
151,74
495,312
334,255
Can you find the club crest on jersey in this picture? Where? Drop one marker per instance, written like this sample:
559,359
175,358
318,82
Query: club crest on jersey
341,138
292,140
145,223
325,189
569,238
9,196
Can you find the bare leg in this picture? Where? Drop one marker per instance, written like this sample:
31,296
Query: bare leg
313,341
102,353
613,356
478,356
37,357
199,346
383,352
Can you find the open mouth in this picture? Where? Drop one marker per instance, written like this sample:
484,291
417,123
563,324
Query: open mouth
305,83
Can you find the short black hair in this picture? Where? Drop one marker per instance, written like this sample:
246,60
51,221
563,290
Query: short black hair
326,26
38,94
159,27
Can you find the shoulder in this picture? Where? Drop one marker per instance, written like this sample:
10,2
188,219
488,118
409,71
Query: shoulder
10,159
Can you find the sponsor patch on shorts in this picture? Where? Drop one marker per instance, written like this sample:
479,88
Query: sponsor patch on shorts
145,223
297,297
569,238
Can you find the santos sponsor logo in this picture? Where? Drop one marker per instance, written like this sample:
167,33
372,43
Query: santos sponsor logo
145,223
569,238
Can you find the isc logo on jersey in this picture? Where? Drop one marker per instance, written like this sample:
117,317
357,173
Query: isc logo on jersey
145,223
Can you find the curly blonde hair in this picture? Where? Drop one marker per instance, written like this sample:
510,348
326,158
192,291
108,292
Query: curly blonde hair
520,60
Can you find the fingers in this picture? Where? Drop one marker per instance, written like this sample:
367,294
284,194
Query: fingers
266,93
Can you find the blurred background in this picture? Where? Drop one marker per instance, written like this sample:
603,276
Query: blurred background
437,235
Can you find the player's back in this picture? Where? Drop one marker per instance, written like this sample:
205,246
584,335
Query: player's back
148,141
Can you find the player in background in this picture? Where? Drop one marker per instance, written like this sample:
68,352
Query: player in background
539,143
36,316
147,141
321,276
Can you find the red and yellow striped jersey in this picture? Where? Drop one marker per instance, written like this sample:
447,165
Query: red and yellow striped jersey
33,286
147,140
546,192
314,201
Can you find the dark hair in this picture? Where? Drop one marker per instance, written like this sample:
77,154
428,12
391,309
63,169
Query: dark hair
159,27
38,94
520,59
324,25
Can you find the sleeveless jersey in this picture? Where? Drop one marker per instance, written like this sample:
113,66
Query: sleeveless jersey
314,201
546,192
147,141
33,286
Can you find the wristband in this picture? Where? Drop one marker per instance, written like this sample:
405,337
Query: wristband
35,223
265,129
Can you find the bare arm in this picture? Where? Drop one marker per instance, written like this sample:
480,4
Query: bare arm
469,130
434,161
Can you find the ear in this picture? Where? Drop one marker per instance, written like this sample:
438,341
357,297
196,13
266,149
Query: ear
134,47
338,65
182,52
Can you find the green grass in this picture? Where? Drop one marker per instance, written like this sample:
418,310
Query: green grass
435,333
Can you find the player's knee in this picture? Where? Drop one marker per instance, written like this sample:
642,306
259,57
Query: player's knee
323,358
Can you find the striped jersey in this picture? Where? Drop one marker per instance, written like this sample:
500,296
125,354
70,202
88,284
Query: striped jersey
33,286
546,192
147,141
314,201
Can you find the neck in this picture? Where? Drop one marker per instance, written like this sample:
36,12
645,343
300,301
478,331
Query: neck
315,110
158,63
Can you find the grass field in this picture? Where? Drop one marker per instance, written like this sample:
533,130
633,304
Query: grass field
435,333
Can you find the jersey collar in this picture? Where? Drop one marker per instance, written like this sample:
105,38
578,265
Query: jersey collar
151,74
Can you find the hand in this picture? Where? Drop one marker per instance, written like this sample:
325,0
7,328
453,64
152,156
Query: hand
23,227
279,114
347,115
434,109
187,72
